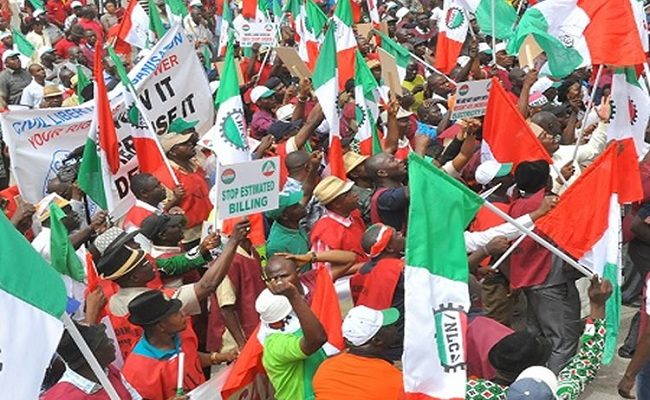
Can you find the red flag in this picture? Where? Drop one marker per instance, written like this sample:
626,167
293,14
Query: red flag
576,227
506,132
106,126
247,366
249,8
612,34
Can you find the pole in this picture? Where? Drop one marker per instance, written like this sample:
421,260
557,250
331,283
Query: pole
589,107
181,373
421,61
491,190
508,252
90,357
539,240
494,38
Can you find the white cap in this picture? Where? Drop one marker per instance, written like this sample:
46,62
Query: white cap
541,85
391,4
484,48
500,47
76,4
402,12
285,112
37,13
9,53
534,383
362,323
44,50
260,92
491,169
197,3
5,34
272,307
463,60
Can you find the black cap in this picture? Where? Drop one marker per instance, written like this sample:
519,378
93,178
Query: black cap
152,307
272,82
122,259
280,129
154,224
518,351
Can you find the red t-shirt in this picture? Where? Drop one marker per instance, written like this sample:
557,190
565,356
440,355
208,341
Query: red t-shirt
337,236
62,46
93,25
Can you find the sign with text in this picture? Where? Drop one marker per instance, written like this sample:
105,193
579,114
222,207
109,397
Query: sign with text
256,32
248,188
471,99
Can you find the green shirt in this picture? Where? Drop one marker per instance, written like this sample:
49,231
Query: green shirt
286,240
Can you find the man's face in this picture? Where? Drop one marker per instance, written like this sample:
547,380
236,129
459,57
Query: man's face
71,220
187,149
8,42
364,46
411,72
174,323
54,101
549,142
280,269
143,273
397,241
347,202
439,85
38,27
13,62
267,103
393,168
173,233
110,8
295,212
504,60
422,21
91,37
37,72
154,191
4,24
105,351
376,72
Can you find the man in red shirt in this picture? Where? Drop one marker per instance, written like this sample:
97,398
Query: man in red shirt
88,20
180,146
341,227
149,194
72,39
56,12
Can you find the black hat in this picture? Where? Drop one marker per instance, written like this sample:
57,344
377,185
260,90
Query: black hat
68,349
518,351
273,82
120,262
279,129
531,176
152,307
154,224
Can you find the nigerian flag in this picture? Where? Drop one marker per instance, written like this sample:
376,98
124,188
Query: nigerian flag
435,283
505,16
366,93
22,44
630,107
400,53
32,300
229,131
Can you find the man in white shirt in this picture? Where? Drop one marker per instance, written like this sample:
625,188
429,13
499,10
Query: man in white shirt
33,93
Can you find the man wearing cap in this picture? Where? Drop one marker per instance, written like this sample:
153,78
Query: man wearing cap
520,350
196,26
79,381
132,271
496,298
180,146
76,7
33,93
52,96
364,372
13,79
341,227
379,283
355,169
152,368
38,37
49,61
264,117
286,235
292,337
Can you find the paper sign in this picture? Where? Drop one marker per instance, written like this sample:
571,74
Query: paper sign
256,32
528,51
248,188
293,62
471,99
364,29
389,72
240,77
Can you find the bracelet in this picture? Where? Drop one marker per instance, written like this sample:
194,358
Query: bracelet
213,358
314,257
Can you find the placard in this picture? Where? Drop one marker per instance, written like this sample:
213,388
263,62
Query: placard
256,32
471,99
293,62
248,188
389,72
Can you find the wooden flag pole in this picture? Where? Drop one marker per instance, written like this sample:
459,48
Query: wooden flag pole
90,357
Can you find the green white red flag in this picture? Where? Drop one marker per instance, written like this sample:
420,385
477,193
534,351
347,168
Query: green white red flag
630,108
134,28
366,98
452,32
436,283
346,42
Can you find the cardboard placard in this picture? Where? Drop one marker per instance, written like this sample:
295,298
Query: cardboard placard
389,72
240,76
471,99
293,62
529,51
364,29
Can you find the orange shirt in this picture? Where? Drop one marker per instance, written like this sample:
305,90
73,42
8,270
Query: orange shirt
348,376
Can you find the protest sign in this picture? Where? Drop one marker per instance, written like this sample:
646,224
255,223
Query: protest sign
256,32
529,51
471,99
293,62
389,72
240,76
172,83
248,188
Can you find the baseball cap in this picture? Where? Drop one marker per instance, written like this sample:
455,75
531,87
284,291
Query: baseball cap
285,112
402,12
484,48
179,125
500,47
491,169
261,92
286,200
330,188
362,323
76,4
8,54
5,34
196,3
272,307
279,129
38,12
538,383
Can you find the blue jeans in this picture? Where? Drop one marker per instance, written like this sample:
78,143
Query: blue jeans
643,383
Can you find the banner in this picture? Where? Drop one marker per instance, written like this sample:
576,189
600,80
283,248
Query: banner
40,139
256,32
259,389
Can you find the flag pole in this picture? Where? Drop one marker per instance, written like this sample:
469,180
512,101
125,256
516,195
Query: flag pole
590,105
432,68
90,357
539,240
494,38
505,255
